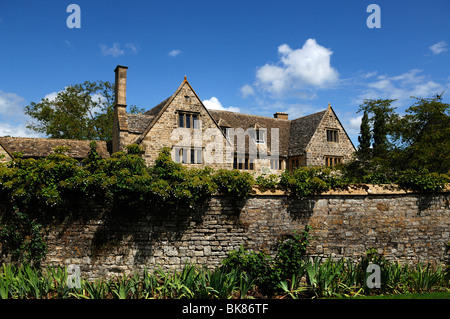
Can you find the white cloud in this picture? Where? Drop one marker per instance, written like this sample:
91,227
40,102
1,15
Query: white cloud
272,78
116,50
401,87
17,130
11,104
308,66
439,47
51,96
131,47
214,104
354,125
247,90
12,117
174,53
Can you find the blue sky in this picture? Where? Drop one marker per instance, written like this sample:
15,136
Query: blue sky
255,57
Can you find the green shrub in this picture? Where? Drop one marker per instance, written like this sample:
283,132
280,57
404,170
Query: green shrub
267,272
307,181
422,181
267,182
233,182
291,251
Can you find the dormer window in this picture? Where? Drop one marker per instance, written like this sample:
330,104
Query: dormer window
188,120
259,136
225,131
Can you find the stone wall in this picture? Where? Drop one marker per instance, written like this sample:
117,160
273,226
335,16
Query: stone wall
403,227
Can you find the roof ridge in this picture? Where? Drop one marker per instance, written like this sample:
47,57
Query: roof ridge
247,114
269,117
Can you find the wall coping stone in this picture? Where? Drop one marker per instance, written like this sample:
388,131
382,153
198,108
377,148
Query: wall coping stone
353,189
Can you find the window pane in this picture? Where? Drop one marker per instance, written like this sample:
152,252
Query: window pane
199,156
181,120
259,136
188,120
195,121
192,156
185,153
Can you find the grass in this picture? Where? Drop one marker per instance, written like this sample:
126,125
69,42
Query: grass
315,278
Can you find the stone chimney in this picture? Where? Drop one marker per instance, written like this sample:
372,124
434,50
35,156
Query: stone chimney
121,85
120,120
281,115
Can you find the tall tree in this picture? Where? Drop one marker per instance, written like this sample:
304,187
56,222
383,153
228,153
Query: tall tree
364,138
383,117
81,111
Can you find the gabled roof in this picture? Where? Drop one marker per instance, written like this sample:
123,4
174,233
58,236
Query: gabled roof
302,130
137,123
159,109
155,110
41,147
246,121
294,135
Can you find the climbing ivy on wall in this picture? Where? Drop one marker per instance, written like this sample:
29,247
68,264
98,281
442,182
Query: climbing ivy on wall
34,192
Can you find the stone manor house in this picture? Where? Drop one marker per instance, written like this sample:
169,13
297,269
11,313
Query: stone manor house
200,137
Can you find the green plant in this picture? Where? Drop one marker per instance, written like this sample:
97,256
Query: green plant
422,180
233,182
306,181
293,287
120,287
223,282
265,182
322,276
291,250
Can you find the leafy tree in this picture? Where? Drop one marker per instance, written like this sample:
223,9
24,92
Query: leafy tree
364,138
412,150
81,111
422,136
383,116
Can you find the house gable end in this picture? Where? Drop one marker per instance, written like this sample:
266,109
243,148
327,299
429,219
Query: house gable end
166,128
159,110
319,147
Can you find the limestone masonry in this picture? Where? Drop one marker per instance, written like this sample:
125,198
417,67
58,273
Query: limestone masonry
404,227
